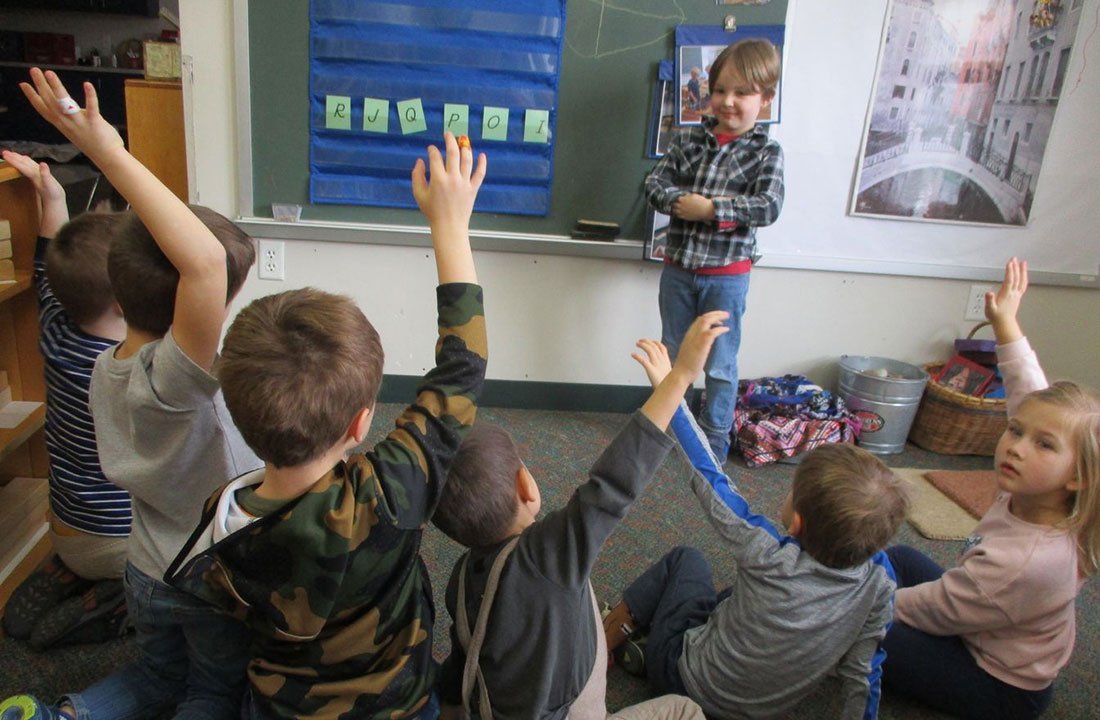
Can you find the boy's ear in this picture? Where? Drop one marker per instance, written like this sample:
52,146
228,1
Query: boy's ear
526,490
766,99
360,425
795,528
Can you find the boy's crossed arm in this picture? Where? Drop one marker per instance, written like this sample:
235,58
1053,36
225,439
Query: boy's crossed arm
187,243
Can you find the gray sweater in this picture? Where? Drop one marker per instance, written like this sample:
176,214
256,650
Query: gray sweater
164,435
789,621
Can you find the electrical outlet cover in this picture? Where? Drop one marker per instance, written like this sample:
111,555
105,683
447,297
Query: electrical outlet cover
271,262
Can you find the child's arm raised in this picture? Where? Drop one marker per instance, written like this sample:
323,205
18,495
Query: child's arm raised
53,211
448,201
1001,306
1015,359
185,241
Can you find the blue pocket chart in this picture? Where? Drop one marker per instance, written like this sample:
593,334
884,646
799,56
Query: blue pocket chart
487,68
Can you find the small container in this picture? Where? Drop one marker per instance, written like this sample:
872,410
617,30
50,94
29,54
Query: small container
286,212
885,405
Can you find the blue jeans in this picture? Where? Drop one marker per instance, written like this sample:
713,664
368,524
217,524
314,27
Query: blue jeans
939,671
673,596
192,660
685,296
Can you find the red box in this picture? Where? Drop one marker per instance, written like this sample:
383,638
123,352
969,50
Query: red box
49,48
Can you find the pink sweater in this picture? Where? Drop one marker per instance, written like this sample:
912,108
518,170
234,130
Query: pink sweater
1011,598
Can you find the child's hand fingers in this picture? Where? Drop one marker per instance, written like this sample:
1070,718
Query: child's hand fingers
435,161
91,100
419,181
479,173
451,145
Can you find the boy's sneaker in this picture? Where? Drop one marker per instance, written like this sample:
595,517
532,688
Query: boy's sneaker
38,594
630,656
97,615
28,707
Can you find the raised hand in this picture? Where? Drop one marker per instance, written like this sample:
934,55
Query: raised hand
700,336
55,212
450,193
1002,306
86,128
654,360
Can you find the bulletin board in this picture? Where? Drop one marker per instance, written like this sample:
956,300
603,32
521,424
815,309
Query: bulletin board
387,78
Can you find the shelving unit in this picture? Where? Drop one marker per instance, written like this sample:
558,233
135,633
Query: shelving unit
24,463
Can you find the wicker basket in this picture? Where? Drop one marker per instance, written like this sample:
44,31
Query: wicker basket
951,423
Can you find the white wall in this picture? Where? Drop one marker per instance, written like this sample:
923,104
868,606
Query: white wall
565,319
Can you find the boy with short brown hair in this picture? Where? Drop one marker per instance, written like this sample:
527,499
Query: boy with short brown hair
543,654
318,551
813,602
718,182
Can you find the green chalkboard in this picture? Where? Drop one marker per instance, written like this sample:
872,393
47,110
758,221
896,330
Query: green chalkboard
609,68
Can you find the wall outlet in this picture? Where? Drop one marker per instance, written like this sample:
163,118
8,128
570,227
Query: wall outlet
975,306
272,260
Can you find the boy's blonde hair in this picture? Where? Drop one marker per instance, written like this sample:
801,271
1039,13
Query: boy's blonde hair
76,265
295,369
1082,406
755,59
851,504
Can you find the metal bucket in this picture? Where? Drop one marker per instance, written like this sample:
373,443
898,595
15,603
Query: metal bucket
886,405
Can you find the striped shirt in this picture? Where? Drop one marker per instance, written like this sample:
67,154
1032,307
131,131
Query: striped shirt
80,496
744,178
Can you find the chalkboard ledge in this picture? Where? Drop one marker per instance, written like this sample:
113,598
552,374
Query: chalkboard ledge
414,236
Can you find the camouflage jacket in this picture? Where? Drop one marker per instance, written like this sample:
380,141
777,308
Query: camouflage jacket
332,584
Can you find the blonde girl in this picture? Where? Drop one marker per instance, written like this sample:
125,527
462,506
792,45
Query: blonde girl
987,638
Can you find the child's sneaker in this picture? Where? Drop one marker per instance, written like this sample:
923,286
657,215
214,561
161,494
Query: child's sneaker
97,615
28,707
630,656
38,594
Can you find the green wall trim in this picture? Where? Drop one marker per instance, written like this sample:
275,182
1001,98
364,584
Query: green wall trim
576,397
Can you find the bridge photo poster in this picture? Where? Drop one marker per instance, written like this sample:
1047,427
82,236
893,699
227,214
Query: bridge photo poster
963,102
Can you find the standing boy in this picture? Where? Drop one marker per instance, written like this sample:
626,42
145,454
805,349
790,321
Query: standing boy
718,182
802,606
543,652
318,552
161,425
89,516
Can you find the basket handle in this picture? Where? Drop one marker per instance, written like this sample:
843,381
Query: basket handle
977,327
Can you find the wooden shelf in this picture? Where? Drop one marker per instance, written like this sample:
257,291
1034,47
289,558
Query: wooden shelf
22,282
11,438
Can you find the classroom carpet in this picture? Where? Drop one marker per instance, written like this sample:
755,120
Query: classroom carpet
558,448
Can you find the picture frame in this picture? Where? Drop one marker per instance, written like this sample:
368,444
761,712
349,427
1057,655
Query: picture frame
965,95
965,376
697,46
663,113
656,236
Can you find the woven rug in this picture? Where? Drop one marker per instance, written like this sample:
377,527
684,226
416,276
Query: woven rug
933,514
973,490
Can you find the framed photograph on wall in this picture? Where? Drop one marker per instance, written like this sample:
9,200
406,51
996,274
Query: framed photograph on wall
656,236
696,48
664,110
965,95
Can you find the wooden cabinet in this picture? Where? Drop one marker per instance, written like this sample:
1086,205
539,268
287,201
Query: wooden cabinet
23,448
155,133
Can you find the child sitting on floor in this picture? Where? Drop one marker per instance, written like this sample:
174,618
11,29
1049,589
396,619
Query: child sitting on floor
801,606
539,652
77,596
987,638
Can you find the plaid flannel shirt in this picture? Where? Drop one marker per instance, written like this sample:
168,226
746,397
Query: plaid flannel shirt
744,179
